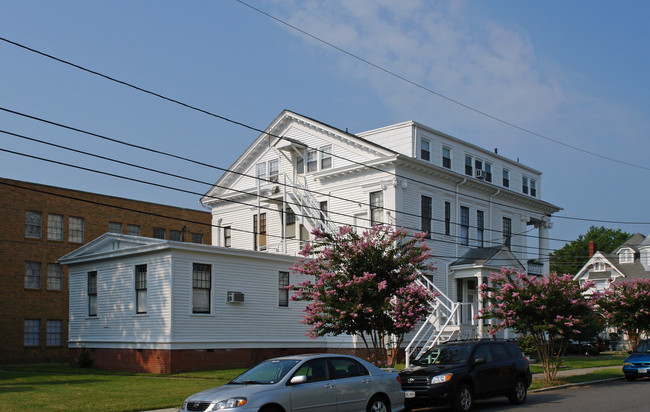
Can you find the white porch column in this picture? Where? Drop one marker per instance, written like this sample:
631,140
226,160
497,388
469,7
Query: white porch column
543,245
479,304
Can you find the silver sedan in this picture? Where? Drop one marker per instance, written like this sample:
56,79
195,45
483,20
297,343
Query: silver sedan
314,383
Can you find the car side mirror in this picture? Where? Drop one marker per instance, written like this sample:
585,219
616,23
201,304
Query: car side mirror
478,361
298,379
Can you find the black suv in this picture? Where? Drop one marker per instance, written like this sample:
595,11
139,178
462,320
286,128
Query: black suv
458,372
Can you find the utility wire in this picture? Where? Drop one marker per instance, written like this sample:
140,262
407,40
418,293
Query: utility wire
429,90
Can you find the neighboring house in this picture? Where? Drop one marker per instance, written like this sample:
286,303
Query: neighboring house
42,223
629,261
477,207
161,306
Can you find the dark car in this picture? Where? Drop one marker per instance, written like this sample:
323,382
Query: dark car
637,365
458,372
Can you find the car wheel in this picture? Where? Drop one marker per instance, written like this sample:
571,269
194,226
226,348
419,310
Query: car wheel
378,404
463,399
271,409
518,393
630,377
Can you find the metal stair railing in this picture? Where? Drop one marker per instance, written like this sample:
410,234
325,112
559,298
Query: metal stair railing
433,329
304,204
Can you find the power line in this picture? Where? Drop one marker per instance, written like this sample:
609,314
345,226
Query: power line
429,90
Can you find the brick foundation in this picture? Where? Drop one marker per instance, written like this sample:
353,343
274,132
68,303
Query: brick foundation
185,360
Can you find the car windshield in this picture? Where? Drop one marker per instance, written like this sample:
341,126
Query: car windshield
444,355
644,347
265,373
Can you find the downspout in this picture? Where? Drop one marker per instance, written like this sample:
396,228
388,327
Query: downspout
490,201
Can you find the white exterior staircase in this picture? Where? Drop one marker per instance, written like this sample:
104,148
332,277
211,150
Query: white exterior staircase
305,206
443,323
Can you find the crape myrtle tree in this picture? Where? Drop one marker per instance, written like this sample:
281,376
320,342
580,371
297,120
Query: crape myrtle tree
364,285
550,309
626,305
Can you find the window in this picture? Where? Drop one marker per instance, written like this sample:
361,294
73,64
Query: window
141,288
261,234
323,213
133,230
92,293
54,227
507,231
32,332
312,163
76,229
506,178
488,172
425,215
626,256
347,368
54,276
524,185
201,287
227,236
500,352
197,238
464,225
33,224
175,235
446,157
274,170
425,150
315,370
478,165
468,166
326,157
159,233
599,267
289,222
32,275
376,208
300,164
533,187
447,218
54,332
480,227
283,292
115,227
260,171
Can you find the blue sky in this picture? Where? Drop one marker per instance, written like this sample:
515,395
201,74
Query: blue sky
574,72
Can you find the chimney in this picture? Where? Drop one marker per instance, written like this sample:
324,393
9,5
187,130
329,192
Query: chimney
591,248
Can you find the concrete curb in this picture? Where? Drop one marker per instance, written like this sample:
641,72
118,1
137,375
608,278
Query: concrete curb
569,385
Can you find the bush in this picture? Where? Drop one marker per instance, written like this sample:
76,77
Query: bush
526,344
84,360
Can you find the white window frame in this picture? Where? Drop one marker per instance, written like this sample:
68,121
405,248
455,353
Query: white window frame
312,161
326,161
75,229
260,171
448,149
423,142
505,178
194,286
140,283
469,162
283,293
274,170
626,256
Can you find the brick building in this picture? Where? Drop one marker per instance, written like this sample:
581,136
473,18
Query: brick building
42,223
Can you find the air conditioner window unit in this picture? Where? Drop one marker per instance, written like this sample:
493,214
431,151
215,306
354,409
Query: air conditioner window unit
480,174
235,297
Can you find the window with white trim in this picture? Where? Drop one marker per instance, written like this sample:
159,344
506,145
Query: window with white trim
201,287
533,187
469,171
425,149
446,157
260,171
227,236
488,172
507,231
54,227
599,266
480,227
376,208
283,292
33,224
506,178
92,293
426,204
312,161
524,185
274,170
464,225
626,256
141,289
326,157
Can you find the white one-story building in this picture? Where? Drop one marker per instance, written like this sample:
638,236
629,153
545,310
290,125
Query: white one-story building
142,301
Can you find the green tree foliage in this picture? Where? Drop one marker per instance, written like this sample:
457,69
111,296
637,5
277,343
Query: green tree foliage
551,310
573,255
627,305
364,285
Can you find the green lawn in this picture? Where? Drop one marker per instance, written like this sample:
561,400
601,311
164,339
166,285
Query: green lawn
59,387
580,362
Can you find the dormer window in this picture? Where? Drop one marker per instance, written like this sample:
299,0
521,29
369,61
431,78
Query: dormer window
524,185
425,150
626,256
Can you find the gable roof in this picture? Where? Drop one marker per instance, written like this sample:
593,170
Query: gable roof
627,271
493,256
